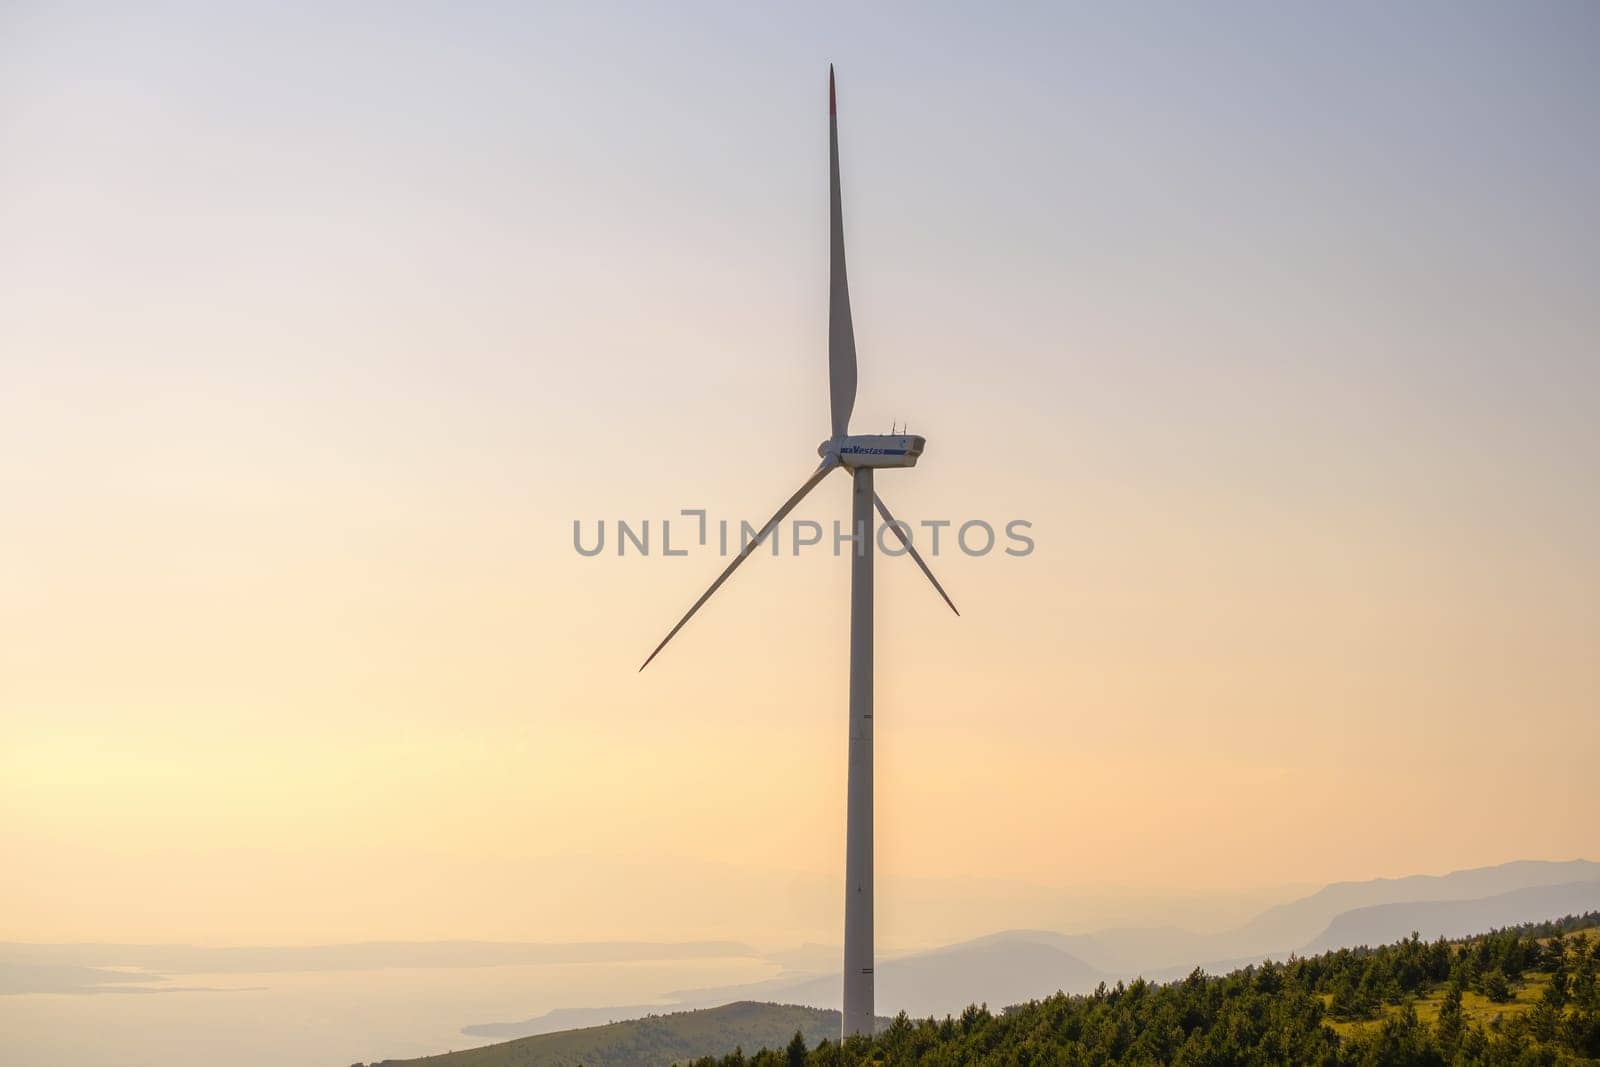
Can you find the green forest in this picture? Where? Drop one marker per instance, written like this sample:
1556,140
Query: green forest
1519,996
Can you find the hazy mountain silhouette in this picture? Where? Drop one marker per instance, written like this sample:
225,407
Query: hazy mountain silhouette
1383,923
1005,967
1017,965
1295,924
1126,952
1001,968
1133,950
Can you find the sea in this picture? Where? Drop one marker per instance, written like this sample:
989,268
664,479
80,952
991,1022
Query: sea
328,1018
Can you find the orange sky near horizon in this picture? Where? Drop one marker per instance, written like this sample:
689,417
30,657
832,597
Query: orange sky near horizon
306,383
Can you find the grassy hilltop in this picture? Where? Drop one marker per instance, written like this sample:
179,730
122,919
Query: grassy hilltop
1519,997
655,1041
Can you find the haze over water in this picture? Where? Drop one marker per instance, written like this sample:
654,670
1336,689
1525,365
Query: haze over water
277,1018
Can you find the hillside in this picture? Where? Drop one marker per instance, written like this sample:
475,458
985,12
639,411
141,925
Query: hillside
1523,996
1528,995
654,1041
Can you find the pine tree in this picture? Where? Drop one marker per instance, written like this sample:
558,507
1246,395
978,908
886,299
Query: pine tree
797,1050
1582,988
1451,1019
1496,987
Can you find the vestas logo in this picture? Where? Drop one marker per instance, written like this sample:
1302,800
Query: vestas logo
857,450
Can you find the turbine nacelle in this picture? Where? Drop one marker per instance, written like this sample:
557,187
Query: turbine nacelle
873,450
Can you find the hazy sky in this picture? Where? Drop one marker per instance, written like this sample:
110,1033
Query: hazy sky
320,326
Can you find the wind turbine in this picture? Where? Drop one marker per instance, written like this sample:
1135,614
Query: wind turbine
860,454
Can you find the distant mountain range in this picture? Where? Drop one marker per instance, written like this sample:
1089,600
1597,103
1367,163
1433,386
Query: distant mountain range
1017,965
1299,924
1380,924
1296,924
1005,967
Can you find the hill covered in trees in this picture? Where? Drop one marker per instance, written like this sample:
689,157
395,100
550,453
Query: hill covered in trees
654,1041
1526,996
1522,996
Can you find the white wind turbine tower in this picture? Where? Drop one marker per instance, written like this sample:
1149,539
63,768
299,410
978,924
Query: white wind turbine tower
860,454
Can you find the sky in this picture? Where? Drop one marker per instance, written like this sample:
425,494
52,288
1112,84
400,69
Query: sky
320,328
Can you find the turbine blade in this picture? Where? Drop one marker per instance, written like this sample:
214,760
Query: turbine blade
883,510
828,464
841,333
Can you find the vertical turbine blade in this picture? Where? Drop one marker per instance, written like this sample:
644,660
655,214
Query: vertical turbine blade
841,333
744,553
906,541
